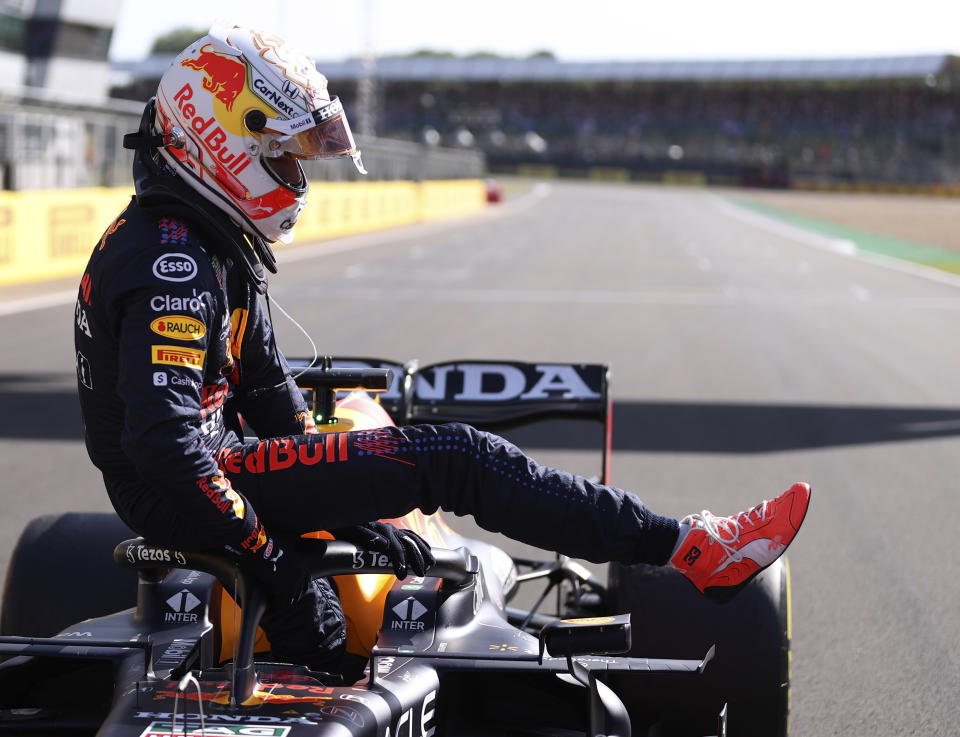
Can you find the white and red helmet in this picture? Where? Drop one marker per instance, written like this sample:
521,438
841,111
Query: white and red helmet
237,109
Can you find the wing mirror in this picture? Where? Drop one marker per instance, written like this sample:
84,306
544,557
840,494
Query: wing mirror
589,636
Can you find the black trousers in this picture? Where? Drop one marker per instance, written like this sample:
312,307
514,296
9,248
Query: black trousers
308,482
304,483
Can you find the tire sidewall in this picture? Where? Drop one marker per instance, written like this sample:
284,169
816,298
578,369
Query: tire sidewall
61,572
750,670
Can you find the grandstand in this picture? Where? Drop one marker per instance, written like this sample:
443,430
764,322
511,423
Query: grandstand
866,123
844,123
876,123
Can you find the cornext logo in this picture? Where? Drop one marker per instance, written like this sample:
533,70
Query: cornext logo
267,91
175,267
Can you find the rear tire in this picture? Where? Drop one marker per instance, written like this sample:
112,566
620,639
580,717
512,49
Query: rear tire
750,672
62,572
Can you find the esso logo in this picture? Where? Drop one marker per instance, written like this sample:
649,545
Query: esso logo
175,267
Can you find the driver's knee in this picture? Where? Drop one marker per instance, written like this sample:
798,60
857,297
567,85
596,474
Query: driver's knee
311,632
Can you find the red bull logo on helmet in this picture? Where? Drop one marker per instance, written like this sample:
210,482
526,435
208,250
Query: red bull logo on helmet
212,135
223,75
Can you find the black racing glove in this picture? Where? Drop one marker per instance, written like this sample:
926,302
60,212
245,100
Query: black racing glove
281,571
405,549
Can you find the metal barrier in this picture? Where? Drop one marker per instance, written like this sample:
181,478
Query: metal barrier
49,142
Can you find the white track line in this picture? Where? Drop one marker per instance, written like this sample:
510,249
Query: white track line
840,246
40,302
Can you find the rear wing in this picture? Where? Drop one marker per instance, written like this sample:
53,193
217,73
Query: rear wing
490,395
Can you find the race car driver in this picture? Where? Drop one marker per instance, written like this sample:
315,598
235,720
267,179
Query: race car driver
173,345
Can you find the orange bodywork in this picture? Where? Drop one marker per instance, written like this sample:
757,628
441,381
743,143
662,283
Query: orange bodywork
362,595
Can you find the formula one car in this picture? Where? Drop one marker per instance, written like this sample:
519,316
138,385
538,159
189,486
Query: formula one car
105,633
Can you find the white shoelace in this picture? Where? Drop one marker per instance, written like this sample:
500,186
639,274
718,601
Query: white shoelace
725,531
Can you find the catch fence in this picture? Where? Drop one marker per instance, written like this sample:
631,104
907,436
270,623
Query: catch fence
48,142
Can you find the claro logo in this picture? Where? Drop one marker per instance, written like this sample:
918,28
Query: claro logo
175,267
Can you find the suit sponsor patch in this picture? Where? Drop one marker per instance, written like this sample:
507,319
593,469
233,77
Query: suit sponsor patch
178,327
175,267
84,373
174,355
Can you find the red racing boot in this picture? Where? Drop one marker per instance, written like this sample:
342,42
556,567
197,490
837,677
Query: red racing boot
720,555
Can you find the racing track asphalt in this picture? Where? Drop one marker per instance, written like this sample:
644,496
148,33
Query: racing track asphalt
745,355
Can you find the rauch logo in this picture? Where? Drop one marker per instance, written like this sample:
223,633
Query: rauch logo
179,327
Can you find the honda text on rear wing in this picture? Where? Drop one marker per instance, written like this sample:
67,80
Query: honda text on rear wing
490,395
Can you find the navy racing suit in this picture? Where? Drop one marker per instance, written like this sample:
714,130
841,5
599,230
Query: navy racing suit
173,345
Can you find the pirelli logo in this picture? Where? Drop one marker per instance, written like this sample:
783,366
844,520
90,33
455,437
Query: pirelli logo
173,355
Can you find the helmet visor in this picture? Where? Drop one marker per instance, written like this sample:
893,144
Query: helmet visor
321,134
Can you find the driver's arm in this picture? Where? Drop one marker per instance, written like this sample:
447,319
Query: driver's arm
162,383
267,396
